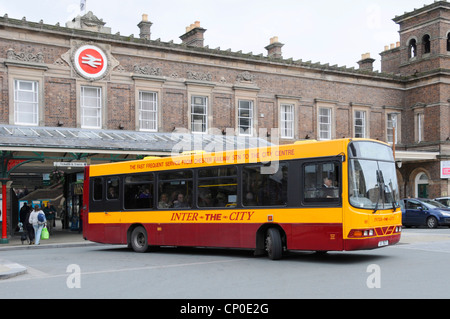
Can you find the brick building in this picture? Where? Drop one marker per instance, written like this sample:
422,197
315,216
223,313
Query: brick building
83,77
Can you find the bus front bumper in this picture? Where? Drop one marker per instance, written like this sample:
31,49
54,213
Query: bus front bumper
370,243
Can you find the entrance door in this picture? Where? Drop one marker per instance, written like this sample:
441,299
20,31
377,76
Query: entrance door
422,185
422,190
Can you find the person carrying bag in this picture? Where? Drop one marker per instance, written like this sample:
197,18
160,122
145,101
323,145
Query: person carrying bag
45,234
37,219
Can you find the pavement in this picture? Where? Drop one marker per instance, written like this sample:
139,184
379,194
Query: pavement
67,238
58,239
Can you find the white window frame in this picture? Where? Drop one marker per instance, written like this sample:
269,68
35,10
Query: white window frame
327,124
363,124
18,119
249,118
96,109
287,120
420,127
199,102
392,119
148,118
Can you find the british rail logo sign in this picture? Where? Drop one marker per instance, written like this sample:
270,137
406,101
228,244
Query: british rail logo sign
90,62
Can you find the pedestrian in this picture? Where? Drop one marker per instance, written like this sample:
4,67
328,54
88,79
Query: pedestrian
24,215
37,219
50,214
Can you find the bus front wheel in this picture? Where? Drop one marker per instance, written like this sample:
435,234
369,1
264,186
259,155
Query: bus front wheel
274,245
139,239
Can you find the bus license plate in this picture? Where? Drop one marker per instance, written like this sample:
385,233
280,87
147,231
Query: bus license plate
383,243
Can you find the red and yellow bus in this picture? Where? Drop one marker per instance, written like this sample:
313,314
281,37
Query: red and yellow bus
337,195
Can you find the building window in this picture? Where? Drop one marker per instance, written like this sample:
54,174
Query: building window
245,117
392,122
360,124
91,107
448,42
324,123
199,114
26,105
148,111
412,48
426,44
419,127
287,120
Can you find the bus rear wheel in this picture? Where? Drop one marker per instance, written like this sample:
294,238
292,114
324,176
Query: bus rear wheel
139,239
274,245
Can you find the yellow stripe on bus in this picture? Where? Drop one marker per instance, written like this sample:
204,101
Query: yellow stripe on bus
286,215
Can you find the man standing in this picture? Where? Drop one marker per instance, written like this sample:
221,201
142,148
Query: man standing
50,214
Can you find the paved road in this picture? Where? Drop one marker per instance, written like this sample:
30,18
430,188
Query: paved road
415,268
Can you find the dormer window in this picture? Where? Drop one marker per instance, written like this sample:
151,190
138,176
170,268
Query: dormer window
426,44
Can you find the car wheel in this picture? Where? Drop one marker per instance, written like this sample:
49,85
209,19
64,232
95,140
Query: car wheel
432,222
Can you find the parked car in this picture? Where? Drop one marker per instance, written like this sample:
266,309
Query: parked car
444,200
424,212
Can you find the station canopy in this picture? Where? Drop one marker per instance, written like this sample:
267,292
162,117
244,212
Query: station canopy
50,144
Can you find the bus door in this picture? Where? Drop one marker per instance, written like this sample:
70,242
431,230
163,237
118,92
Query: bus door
321,204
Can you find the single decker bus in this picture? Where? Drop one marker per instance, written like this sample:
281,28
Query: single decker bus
338,195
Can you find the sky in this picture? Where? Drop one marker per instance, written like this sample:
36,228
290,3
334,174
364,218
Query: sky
325,31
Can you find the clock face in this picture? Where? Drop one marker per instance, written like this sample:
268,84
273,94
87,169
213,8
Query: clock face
90,61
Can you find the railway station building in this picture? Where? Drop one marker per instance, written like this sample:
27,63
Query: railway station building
76,95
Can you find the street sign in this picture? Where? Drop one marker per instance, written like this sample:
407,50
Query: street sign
69,164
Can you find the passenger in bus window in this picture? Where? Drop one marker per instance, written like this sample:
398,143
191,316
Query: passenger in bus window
180,202
164,202
112,193
221,200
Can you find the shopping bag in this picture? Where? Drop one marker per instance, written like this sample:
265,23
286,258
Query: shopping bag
45,234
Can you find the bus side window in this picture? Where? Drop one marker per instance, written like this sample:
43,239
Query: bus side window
98,188
264,186
138,191
217,187
321,182
175,189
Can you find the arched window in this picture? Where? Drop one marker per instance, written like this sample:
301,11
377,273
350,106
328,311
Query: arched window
412,48
426,44
448,41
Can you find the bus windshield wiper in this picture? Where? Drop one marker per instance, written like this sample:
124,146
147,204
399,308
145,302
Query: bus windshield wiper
394,204
381,186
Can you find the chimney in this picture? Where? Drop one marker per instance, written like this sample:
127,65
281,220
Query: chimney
366,62
144,27
194,35
274,48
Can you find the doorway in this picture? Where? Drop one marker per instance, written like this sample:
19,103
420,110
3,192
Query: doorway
421,185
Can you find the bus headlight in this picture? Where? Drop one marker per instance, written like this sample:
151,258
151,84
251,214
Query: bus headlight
360,233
